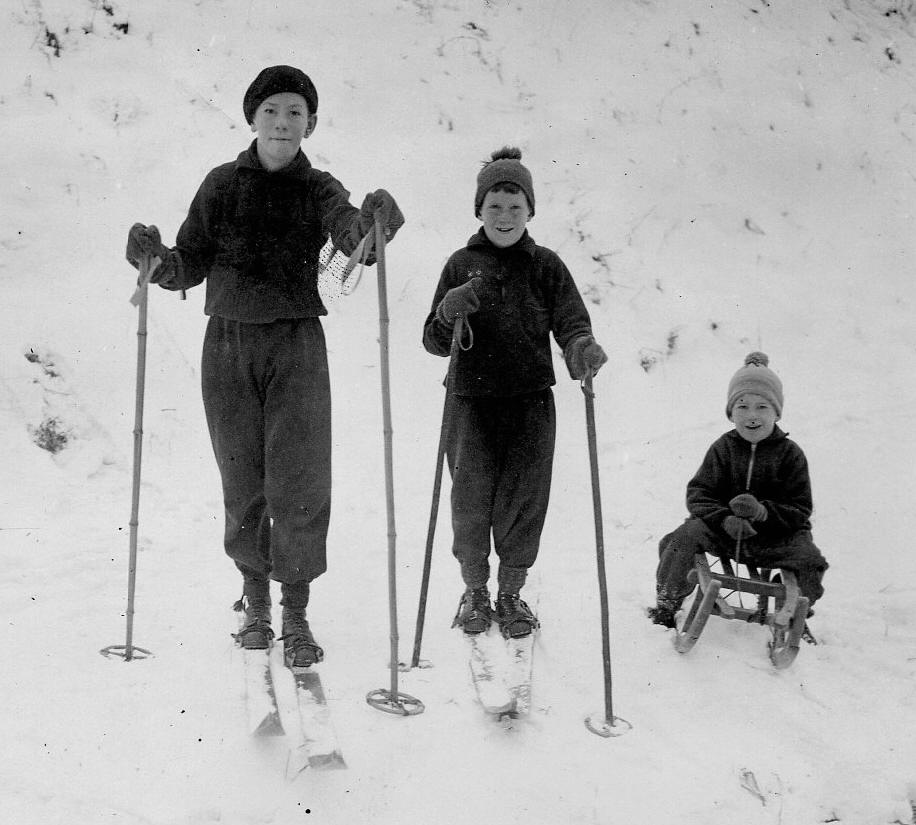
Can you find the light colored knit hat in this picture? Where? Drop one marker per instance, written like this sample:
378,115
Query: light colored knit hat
505,167
756,377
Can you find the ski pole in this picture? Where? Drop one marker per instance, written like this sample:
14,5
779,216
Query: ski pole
390,701
128,651
437,487
611,725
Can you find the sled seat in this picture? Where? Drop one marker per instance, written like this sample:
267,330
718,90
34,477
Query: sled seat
777,603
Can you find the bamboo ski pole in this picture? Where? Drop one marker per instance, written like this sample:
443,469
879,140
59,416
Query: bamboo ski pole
392,700
611,725
437,488
128,651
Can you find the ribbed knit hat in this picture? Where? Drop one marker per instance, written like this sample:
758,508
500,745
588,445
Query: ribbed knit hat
505,167
756,377
274,80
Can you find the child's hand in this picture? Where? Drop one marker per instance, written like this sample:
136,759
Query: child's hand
738,528
380,206
144,240
746,506
461,300
584,354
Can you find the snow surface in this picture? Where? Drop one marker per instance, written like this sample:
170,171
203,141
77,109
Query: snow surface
719,177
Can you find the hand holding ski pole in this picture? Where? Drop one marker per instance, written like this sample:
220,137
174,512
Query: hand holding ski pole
146,241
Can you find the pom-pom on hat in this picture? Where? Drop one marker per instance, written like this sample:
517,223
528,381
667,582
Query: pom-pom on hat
276,79
505,167
756,377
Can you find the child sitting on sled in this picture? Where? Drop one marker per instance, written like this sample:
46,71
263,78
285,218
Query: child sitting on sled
500,448
751,498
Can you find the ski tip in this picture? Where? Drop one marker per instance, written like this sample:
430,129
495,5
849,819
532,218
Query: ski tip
270,726
327,761
499,711
299,760
296,762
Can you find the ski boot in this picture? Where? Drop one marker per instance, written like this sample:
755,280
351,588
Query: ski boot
664,612
474,612
256,633
514,616
300,650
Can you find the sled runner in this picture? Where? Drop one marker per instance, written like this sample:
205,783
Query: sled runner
725,594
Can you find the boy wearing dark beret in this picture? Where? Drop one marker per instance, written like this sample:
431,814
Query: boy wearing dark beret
751,492
253,232
500,446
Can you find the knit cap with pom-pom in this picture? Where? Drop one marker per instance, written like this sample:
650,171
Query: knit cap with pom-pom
505,167
756,377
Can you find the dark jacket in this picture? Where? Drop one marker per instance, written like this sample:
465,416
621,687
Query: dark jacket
779,480
255,237
526,294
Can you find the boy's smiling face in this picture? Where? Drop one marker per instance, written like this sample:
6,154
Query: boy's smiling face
754,417
281,122
504,215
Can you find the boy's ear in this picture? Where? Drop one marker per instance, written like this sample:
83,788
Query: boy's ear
313,122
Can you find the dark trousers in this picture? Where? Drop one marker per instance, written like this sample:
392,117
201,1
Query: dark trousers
500,454
268,404
676,552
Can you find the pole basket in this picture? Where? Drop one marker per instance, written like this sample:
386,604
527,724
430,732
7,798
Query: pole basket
124,652
616,727
397,703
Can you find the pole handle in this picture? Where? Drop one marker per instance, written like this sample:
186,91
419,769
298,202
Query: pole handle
148,265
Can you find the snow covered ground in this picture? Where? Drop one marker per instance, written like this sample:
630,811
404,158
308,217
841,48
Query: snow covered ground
719,177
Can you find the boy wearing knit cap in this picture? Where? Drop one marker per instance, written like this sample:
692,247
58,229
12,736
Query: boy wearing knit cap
501,434
752,493
253,232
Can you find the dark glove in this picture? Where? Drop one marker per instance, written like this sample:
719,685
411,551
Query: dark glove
738,528
145,240
380,206
584,354
460,300
746,506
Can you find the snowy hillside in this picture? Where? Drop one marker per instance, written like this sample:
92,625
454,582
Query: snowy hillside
719,177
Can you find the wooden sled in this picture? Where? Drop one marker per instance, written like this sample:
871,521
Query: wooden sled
724,594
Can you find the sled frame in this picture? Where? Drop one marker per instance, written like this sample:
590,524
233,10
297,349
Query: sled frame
778,605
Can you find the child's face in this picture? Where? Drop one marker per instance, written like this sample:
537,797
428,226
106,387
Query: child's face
282,122
504,215
754,417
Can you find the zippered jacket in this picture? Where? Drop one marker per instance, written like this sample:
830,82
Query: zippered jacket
779,479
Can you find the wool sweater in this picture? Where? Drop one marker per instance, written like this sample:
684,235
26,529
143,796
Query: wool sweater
779,479
255,237
526,293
